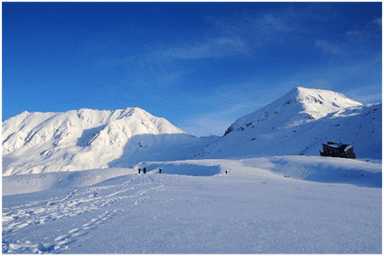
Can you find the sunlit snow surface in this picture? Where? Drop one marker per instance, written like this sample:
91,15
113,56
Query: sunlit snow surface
70,182
282,204
299,122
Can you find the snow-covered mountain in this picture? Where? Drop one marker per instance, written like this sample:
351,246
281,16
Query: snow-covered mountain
298,123
260,204
83,139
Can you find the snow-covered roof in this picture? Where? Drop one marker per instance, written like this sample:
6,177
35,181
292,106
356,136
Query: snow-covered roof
334,145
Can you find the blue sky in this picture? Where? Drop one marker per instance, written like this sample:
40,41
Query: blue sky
199,65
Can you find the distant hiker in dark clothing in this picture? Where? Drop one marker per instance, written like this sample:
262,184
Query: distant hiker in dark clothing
139,170
144,170
160,171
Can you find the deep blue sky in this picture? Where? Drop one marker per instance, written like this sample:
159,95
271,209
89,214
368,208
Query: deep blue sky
199,65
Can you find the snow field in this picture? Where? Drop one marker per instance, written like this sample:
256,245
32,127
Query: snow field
194,207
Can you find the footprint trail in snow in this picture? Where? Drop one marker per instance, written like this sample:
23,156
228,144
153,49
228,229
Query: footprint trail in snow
95,205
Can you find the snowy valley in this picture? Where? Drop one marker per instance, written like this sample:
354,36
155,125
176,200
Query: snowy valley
71,185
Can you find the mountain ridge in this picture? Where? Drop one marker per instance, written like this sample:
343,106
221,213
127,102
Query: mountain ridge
85,138
304,105
296,123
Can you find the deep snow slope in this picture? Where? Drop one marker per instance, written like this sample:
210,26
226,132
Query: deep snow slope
326,205
83,139
298,123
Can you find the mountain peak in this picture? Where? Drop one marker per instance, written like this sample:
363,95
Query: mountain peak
302,93
299,105
81,139
298,123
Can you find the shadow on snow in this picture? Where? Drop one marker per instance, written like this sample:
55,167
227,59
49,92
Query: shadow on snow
159,147
181,169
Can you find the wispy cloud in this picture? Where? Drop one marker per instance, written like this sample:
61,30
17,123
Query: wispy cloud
369,30
205,124
328,47
378,22
223,106
216,122
364,94
169,78
271,22
354,32
278,21
341,78
213,48
263,29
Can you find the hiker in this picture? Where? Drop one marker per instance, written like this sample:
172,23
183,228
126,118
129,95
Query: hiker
144,170
139,170
160,171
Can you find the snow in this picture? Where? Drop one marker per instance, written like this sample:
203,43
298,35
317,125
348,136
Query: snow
348,148
70,181
194,207
334,145
83,139
299,123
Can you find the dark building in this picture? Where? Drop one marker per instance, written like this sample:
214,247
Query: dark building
338,150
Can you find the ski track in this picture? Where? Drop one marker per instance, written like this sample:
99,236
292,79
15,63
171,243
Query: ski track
77,202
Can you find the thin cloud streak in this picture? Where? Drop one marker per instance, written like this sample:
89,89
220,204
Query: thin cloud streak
378,21
364,94
369,31
214,48
270,22
327,47
336,77
215,122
